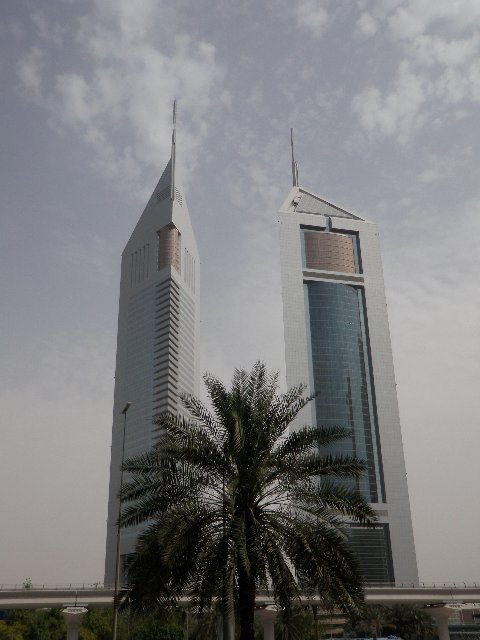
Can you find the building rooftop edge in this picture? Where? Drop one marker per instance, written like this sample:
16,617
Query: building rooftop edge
297,191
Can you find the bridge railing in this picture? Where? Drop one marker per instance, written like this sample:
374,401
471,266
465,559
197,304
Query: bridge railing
84,586
71,586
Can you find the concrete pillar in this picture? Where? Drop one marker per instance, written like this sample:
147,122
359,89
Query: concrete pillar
441,616
267,618
73,617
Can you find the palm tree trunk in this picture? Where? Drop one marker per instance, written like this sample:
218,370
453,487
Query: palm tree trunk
315,619
246,604
228,626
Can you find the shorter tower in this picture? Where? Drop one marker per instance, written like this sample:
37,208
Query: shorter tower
337,340
158,333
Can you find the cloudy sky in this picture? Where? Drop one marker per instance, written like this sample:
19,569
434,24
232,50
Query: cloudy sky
384,96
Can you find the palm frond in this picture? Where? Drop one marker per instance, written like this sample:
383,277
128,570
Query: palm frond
306,438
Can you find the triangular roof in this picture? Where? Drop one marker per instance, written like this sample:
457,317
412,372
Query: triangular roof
300,200
168,186
163,190
162,209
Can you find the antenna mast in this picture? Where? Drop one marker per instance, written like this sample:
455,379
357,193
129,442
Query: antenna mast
174,140
294,162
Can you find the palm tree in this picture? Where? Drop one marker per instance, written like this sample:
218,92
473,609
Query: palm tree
233,504
374,620
411,622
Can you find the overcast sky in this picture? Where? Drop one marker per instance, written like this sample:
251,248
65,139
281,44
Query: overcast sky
384,96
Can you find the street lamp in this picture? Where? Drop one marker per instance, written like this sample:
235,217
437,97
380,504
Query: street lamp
117,563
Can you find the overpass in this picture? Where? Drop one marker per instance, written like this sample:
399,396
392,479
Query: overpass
439,600
99,595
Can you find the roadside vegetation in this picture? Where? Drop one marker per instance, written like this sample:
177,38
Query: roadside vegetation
403,621
406,621
48,624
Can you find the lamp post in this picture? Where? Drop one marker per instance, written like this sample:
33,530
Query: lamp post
117,562
228,629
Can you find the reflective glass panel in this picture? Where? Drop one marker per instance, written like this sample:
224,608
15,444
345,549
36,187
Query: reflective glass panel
341,372
373,550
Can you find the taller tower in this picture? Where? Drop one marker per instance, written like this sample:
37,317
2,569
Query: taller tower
337,340
158,333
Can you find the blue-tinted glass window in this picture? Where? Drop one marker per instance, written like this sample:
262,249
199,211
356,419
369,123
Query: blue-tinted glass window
341,371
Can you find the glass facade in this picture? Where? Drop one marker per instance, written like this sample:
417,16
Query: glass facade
341,375
373,550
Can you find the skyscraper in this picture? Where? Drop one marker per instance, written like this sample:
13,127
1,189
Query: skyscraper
337,341
158,333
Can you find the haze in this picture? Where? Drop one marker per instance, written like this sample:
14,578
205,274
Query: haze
384,97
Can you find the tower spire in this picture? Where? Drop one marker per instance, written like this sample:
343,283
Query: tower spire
174,122
294,162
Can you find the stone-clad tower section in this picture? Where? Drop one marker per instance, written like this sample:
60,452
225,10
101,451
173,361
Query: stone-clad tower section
337,340
158,334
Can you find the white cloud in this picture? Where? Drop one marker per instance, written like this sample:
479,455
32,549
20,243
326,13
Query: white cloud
440,68
52,32
132,70
74,99
367,25
135,21
433,49
397,113
413,17
29,70
311,16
